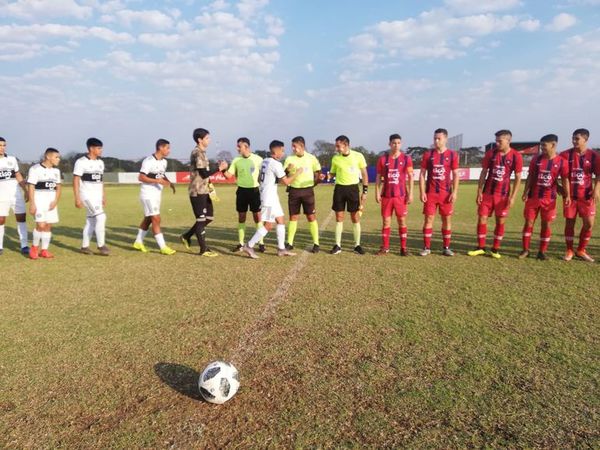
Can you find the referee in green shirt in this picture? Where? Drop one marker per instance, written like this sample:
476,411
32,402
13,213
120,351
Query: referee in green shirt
301,192
246,168
349,168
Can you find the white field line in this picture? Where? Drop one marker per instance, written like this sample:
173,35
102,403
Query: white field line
248,339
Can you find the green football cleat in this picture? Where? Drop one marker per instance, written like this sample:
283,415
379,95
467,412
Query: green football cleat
209,254
476,252
167,251
140,246
495,254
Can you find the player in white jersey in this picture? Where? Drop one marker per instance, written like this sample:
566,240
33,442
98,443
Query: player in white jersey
153,179
88,190
44,185
271,171
11,197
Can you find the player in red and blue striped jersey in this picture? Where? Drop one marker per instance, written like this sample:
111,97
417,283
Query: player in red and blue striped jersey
583,164
541,191
494,192
394,191
438,185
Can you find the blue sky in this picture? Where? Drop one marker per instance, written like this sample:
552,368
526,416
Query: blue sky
130,72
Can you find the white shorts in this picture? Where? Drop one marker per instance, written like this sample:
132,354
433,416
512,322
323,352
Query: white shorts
268,213
16,203
151,206
42,213
93,205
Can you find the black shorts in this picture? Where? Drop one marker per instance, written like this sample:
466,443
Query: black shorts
203,207
247,198
304,197
346,197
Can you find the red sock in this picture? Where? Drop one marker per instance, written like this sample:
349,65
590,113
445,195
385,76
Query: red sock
427,232
446,236
385,237
569,235
584,238
545,239
498,235
403,236
527,237
481,234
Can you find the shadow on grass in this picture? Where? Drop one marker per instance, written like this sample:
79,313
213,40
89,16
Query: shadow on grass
179,378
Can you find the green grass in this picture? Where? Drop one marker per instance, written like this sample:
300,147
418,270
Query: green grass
360,351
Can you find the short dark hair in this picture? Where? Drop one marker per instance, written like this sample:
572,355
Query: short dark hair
93,142
583,132
395,136
549,138
50,150
2,139
299,140
161,143
503,133
200,133
274,144
245,140
343,139
441,130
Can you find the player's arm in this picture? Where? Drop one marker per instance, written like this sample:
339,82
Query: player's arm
231,171
31,191
76,193
317,175
103,195
365,184
378,182
289,179
422,192
566,185
455,181
23,185
169,183
409,184
529,180
56,197
481,182
516,185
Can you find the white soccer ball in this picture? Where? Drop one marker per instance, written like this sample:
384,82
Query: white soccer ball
218,382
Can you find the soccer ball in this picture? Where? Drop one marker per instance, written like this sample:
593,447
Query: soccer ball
219,382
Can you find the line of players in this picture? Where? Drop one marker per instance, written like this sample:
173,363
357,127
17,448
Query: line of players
257,191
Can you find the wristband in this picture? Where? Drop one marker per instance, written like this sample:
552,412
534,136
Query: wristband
365,189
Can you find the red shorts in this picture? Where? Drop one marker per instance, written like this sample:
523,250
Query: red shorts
585,208
441,201
393,204
546,208
493,204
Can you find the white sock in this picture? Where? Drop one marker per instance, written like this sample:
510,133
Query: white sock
22,230
281,236
46,236
88,231
141,235
37,236
260,233
101,229
1,236
160,240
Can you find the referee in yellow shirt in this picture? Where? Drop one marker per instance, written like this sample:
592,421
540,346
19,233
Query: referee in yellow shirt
349,167
301,191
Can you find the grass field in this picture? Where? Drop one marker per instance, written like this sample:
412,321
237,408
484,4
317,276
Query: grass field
354,351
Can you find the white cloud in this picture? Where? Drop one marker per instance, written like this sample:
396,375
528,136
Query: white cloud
147,18
217,5
248,8
530,25
33,33
562,22
310,68
44,9
481,6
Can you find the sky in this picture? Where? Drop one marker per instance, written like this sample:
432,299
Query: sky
130,72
